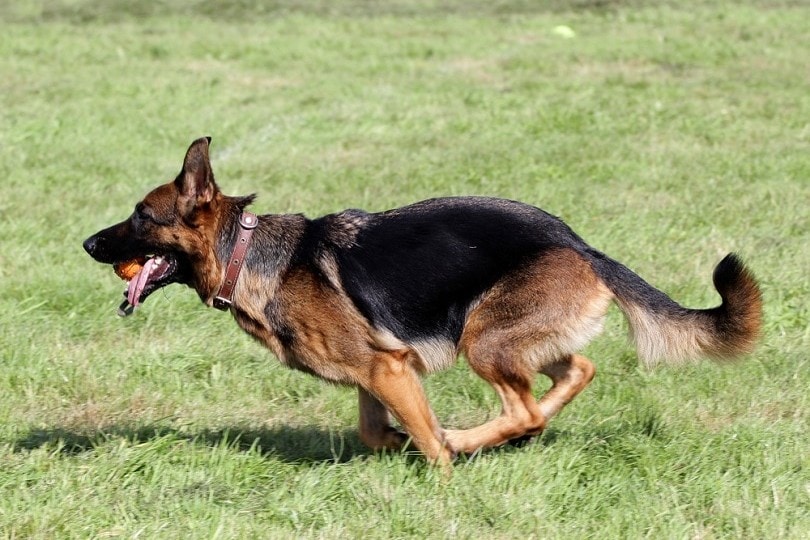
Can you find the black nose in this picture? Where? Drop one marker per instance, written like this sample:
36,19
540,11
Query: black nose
90,245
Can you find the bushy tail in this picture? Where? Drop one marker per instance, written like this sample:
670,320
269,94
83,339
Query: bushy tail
664,330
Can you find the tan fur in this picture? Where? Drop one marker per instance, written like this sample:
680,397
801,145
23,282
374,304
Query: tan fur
544,312
434,354
656,338
431,355
533,320
376,430
333,341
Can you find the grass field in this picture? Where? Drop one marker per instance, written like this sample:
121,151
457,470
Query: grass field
666,134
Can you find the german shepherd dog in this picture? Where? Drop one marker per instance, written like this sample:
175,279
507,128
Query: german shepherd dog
376,300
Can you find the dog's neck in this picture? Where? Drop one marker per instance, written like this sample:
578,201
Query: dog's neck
272,246
233,268
228,229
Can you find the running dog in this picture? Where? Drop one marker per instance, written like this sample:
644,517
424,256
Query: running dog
376,300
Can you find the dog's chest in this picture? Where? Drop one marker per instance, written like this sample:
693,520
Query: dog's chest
312,328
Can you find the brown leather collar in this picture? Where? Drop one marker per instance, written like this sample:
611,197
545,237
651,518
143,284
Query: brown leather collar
224,298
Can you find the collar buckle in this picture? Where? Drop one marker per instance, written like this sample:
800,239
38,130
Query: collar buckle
222,304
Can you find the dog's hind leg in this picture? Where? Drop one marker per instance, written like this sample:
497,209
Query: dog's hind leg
376,430
532,321
520,414
569,377
522,417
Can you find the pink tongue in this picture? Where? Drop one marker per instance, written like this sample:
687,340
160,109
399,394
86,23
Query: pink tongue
137,283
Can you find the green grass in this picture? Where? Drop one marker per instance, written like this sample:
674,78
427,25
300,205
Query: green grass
666,134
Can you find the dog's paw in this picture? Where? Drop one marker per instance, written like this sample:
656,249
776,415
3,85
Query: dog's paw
388,438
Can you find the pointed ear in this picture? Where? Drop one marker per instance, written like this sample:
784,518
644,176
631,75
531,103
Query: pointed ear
196,181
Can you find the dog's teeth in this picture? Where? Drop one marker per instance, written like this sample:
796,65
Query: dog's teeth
159,260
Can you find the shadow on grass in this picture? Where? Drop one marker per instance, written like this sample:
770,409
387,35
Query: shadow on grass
308,444
292,444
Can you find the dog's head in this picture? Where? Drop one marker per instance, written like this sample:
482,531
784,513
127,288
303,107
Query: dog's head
174,228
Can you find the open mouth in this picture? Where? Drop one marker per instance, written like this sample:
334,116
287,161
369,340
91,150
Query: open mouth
157,272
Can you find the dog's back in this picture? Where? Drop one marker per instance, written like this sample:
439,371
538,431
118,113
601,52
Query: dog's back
417,270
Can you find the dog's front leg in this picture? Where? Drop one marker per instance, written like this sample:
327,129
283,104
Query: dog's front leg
376,430
394,383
